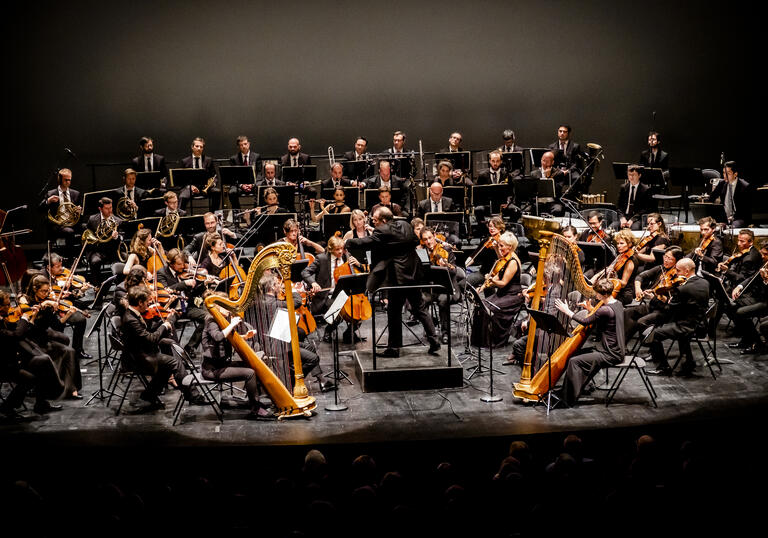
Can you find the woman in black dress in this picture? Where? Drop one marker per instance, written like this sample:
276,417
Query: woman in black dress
339,205
505,300
609,324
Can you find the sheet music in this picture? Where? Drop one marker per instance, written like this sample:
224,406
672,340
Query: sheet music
280,329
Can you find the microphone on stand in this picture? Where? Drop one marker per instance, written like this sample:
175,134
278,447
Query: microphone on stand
71,153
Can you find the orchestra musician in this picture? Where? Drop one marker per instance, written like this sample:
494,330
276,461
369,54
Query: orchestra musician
510,142
710,250
199,160
398,144
496,227
148,160
46,331
566,152
174,278
338,206
548,170
142,248
272,287
505,299
358,225
751,301
572,235
385,178
272,204
295,157
219,364
360,152
129,190
436,202
142,346
53,270
442,257
63,193
171,200
101,253
319,276
625,266
337,178
495,175
292,232
394,263
269,178
734,193
137,276
215,258
653,307
244,157
595,222
654,156
657,239
609,324
212,225
446,175
687,315
634,199
385,200
25,365
744,262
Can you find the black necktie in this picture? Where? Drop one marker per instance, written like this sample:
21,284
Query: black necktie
197,162
495,177
245,160
149,164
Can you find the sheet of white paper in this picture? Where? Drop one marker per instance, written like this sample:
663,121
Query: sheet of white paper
280,329
334,309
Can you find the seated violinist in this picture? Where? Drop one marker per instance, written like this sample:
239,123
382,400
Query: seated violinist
624,266
710,250
595,232
218,262
54,270
652,292
338,206
175,278
657,238
442,257
496,227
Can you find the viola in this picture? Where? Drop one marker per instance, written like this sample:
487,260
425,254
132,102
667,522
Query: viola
156,310
645,240
77,282
498,266
735,255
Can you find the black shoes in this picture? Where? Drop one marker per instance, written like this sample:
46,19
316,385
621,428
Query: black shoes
43,407
75,397
84,355
736,345
260,413
391,352
661,371
190,351
434,347
327,386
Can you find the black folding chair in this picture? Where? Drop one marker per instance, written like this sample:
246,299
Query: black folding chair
633,362
194,379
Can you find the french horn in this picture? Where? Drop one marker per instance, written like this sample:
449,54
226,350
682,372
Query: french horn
67,214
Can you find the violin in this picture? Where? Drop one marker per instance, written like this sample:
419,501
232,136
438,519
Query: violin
616,265
735,255
595,236
645,240
703,246
491,242
156,310
439,256
668,281
498,266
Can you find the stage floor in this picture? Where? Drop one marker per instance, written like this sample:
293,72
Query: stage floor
421,415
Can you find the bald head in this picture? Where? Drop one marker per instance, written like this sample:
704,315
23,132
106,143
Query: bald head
686,267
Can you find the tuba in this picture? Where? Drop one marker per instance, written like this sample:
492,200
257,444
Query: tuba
103,232
67,214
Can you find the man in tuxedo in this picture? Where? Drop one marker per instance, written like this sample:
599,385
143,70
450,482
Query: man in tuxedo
385,200
337,178
192,250
635,200
148,160
269,179
454,146
398,144
171,204
360,153
394,263
567,152
102,252
50,205
734,193
687,315
244,157
510,143
654,156
199,160
751,301
142,346
495,175
295,157
385,178
129,190
170,277
548,170
436,203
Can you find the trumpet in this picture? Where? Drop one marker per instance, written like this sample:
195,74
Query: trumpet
211,183
331,156
67,214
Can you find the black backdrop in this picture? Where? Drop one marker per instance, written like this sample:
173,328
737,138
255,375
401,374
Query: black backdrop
95,76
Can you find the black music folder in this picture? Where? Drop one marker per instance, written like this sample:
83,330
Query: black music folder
237,175
285,196
299,174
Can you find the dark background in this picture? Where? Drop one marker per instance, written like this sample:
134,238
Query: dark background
95,76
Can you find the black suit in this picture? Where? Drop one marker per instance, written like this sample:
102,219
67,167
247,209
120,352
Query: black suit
138,195
254,161
352,156
319,271
742,199
303,158
571,158
374,182
643,204
214,193
329,183
394,263
744,267
425,206
100,253
55,231
660,161
168,278
158,164
687,313
142,350
485,177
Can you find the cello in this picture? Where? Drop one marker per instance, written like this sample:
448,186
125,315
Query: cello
357,308
306,321
12,258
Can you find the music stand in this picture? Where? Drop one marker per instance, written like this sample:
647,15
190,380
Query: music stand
371,198
237,175
535,155
513,161
357,170
545,192
455,193
333,223
332,317
91,202
400,166
285,196
594,253
149,181
700,210
620,171
148,206
461,160
525,189
686,178
350,285
190,226
299,174
101,393
449,220
269,228
654,178
130,227
490,195
440,276
184,177
477,370
552,326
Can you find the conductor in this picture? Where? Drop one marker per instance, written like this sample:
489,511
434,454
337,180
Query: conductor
394,263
